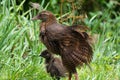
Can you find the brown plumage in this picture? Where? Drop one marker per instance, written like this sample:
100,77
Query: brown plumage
54,65
72,45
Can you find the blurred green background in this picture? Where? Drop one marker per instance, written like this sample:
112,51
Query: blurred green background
20,45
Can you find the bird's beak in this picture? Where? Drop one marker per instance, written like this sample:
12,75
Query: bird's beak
35,17
40,55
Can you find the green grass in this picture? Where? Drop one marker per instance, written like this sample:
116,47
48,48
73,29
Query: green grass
20,46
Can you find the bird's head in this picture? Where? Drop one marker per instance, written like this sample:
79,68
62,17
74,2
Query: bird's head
45,54
45,16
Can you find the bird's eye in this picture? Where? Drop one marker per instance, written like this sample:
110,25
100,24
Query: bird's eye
44,17
40,15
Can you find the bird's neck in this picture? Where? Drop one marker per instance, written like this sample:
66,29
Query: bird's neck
45,25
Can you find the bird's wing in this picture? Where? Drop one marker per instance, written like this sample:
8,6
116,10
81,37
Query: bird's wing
70,44
73,46
81,30
59,31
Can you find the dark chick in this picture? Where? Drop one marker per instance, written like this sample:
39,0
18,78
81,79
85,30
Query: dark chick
72,45
54,66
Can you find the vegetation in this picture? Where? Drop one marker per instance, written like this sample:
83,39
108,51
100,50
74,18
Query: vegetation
20,45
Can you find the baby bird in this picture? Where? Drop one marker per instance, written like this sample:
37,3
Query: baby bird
54,65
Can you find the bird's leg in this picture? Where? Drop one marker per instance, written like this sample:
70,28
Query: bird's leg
76,76
70,76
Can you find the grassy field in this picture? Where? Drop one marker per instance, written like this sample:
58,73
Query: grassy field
20,46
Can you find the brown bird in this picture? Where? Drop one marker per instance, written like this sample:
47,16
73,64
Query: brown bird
72,45
54,65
